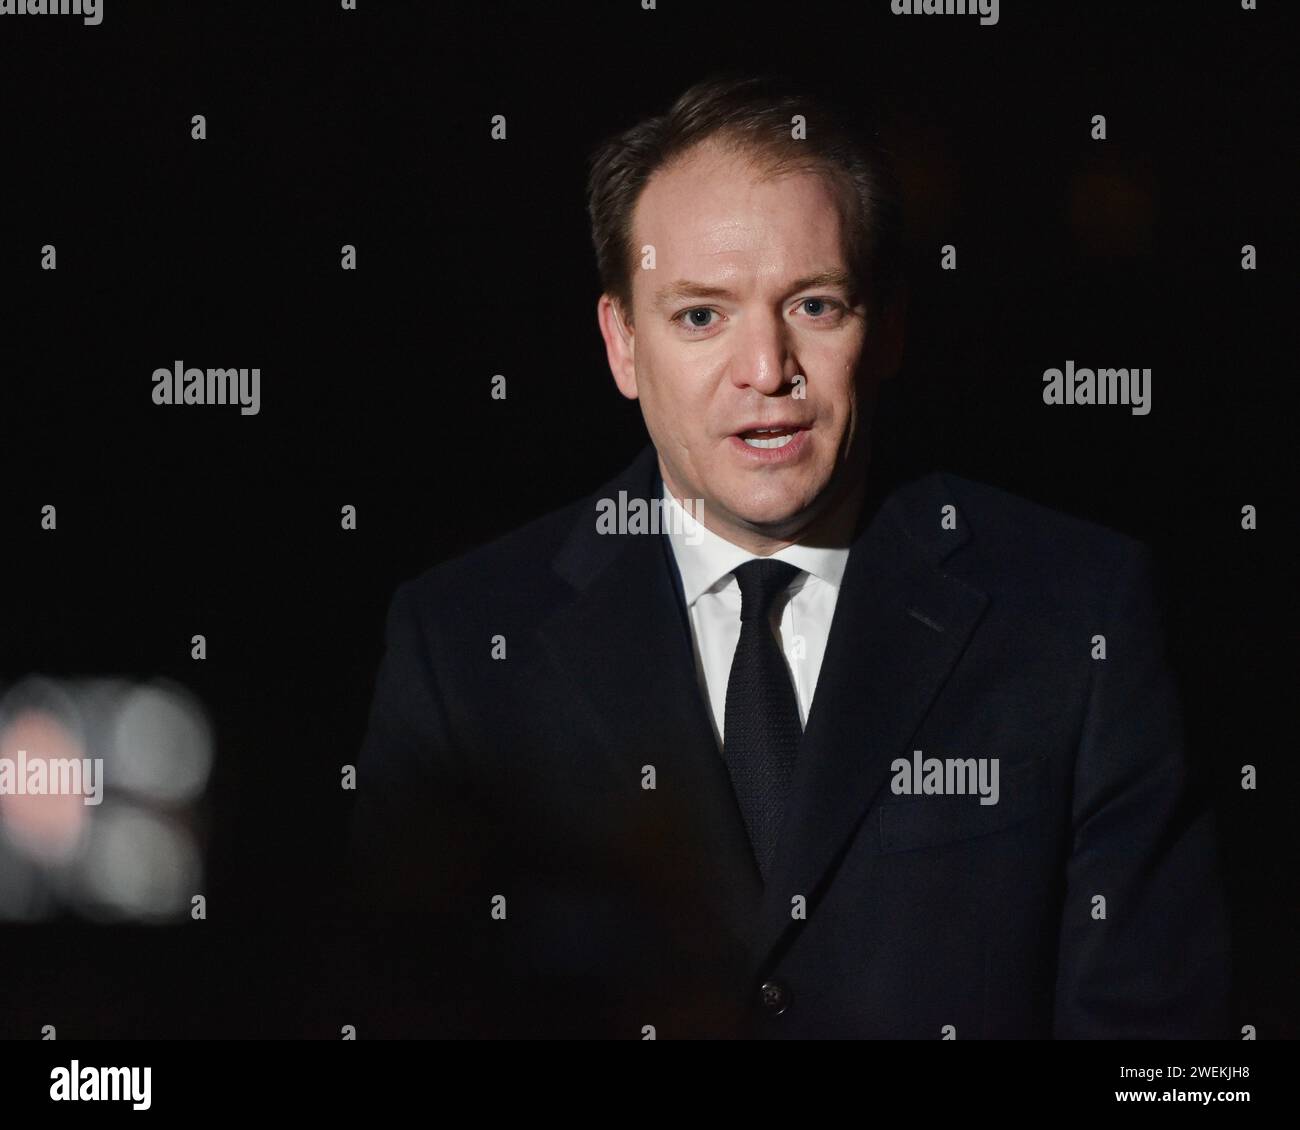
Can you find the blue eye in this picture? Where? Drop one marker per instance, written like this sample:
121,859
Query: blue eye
832,305
693,325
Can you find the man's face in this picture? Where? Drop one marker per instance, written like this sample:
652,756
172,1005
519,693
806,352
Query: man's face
748,321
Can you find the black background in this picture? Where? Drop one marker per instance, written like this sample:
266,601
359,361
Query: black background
328,127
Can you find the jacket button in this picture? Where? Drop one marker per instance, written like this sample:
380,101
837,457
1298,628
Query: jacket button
775,997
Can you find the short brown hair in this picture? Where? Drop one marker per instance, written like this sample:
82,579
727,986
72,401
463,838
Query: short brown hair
752,115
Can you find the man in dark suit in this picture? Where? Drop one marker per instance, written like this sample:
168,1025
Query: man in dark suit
744,744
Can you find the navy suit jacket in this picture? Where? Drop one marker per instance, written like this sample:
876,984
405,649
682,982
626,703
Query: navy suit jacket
520,878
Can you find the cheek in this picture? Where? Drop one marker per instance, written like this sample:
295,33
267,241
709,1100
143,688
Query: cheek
666,403
839,399
675,394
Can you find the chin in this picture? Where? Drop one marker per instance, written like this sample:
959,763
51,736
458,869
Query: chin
769,513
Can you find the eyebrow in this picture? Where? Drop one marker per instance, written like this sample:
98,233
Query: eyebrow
684,288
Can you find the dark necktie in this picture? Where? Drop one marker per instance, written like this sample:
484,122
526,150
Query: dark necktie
761,729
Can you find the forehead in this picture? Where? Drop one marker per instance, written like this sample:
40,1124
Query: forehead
714,212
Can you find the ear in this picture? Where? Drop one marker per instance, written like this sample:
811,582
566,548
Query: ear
620,345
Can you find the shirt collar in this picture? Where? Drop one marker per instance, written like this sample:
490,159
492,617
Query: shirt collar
705,560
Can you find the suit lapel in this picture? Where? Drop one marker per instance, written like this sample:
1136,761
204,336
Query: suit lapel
900,625
623,647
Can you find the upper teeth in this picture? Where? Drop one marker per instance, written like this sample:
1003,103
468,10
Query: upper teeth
775,441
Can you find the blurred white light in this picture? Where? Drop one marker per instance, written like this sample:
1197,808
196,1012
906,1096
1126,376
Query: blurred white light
132,856
161,746
138,866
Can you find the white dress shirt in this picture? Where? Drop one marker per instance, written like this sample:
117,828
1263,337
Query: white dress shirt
802,613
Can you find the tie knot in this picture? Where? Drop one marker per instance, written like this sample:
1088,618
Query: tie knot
760,580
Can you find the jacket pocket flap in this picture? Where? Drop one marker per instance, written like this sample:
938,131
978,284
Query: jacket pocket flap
927,821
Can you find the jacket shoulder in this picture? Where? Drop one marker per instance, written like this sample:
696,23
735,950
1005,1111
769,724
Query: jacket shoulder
515,568
1007,542
516,562
1011,520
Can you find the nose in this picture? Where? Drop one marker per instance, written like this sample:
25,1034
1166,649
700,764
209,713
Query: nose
763,360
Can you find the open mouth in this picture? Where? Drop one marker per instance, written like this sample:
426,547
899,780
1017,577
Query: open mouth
768,438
